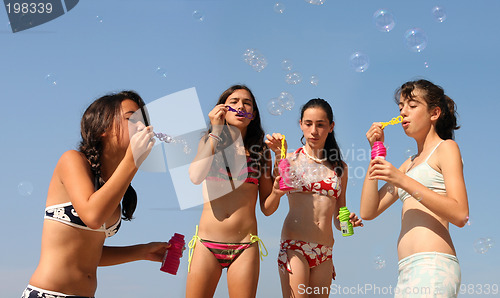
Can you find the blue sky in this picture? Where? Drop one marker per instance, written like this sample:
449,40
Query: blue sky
104,46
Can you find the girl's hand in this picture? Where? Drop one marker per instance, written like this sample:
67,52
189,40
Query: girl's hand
273,142
155,251
356,222
375,133
141,144
276,187
217,115
381,169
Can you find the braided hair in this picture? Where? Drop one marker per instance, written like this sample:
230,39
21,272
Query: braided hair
102,114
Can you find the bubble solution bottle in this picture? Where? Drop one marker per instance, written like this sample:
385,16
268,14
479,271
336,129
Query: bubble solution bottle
172,258
285,181
345,225
378,150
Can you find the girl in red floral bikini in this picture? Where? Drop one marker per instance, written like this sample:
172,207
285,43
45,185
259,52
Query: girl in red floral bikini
305,257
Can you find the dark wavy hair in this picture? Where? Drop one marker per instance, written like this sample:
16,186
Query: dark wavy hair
101,115
254,138
332,150
434,97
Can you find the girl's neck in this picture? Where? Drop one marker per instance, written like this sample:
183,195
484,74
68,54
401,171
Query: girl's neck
109,163
427,141
317,153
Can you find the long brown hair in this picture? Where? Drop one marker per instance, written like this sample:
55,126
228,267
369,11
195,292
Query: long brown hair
254,138
101,115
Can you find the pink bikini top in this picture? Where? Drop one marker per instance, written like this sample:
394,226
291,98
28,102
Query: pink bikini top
330,186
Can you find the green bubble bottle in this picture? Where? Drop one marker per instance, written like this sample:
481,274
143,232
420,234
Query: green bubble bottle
345,225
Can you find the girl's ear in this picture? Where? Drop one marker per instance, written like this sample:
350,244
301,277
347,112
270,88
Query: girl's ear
331,126
435,113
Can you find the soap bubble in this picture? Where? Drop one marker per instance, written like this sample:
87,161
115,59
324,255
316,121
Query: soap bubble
286,65
359,61
390,189
286,100
468,222
25,188
198,16
417,196
415,39
379,262
314,80
51,79
315,2
439,13
293,78
426,64
409,152
384,20
482,245
275,107
99,19
279,7
162,72
255,59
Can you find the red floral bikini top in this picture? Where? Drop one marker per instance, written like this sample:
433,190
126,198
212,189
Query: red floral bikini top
330,186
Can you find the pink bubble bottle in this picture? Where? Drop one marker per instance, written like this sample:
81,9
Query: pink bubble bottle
172,258
378,150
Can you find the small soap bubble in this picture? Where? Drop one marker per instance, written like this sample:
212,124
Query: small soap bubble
384,20
274,107
25,188
314,80
417,196
482,245
161,71
98,19
415,39
409,152
426,64
198,16
279,7
293,78
468,222
390,189
186,149
286,100
359,61
379,262
287,65
255,59
439,13
315,2
51,79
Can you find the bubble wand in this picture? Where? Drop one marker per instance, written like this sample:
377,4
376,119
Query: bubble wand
241,113
378,149
393,121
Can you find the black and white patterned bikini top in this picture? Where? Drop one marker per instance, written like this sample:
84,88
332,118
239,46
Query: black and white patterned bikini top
66,214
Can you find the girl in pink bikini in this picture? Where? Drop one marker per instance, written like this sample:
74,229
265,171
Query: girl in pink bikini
235,170
305,257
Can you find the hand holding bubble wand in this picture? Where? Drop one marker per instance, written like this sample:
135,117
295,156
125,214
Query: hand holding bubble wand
284,168
378,149
241,113
162,136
